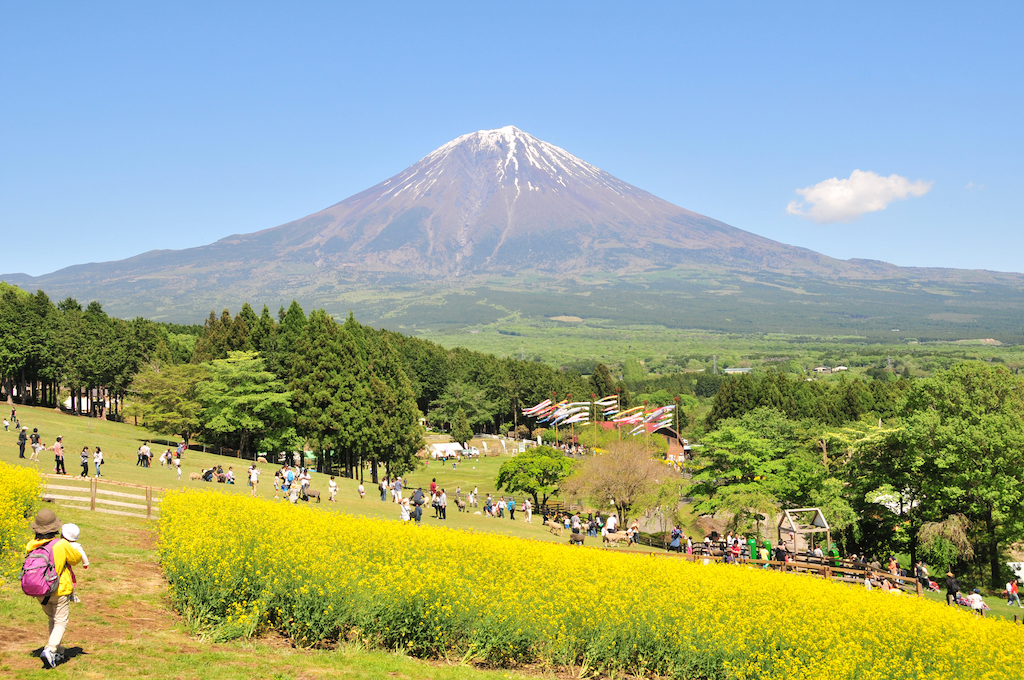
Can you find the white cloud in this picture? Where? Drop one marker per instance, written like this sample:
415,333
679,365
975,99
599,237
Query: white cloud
845,200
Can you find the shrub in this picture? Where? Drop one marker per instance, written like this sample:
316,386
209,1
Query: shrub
19,498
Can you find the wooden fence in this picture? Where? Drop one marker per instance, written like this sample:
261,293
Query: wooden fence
91,493
825,570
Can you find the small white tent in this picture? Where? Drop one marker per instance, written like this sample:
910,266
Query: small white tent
446,450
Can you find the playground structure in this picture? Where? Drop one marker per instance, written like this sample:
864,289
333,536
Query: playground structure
795,526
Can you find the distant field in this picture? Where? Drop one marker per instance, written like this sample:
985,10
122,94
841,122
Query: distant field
663,349
719,301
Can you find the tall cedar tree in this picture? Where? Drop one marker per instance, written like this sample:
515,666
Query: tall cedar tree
329,386
395,417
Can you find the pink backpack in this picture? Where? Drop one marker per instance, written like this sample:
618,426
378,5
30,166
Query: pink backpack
39,577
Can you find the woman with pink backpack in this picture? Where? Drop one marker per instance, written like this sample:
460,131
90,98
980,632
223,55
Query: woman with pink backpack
47,576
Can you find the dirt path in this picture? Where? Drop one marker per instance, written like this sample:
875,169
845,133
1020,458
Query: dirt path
124,600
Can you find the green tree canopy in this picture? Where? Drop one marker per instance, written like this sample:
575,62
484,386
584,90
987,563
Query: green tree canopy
963,433
169,397
242,400
539,471
461,431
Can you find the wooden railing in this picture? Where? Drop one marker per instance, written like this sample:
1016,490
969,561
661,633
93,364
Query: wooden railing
846,574
89,494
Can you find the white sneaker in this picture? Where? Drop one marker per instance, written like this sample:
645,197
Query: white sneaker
50,659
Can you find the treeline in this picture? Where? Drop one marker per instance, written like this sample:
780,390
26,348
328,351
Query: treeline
447,384
51,352
259,383
831,402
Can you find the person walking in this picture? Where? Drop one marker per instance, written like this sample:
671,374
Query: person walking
417,504
57,606
58,457
952,589
34,442
442,504
1012,597
512,508
85,455
22,440
528,509
254,479
97,461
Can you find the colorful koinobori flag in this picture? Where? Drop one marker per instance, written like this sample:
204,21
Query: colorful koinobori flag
607,401
658,413
555,413
547,414
577,419
625,414
564,413
539,407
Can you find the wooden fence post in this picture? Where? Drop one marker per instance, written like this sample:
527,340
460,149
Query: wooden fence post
149,502
92,494
920,588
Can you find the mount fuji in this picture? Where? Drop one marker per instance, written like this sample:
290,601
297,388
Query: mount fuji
518,225
503,200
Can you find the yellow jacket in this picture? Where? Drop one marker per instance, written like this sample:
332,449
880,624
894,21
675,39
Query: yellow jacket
64,556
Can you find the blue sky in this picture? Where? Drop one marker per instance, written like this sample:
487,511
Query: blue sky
129,127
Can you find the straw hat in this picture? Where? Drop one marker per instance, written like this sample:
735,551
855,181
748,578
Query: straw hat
46,522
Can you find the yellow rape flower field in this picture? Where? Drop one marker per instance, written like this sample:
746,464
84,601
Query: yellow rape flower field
18,499
239,566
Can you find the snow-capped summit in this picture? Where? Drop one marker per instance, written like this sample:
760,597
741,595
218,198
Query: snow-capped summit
504,200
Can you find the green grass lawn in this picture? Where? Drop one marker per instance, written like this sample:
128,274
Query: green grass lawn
120,441
999,608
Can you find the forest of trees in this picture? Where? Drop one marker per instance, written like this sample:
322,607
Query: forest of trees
259,383
928,467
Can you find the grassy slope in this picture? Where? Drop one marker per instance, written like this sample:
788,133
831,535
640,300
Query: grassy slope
120,441
125,628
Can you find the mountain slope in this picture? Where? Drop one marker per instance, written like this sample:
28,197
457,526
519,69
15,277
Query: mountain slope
488,210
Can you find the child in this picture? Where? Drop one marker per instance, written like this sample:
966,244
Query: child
177,464
362,491
71,532
332,487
